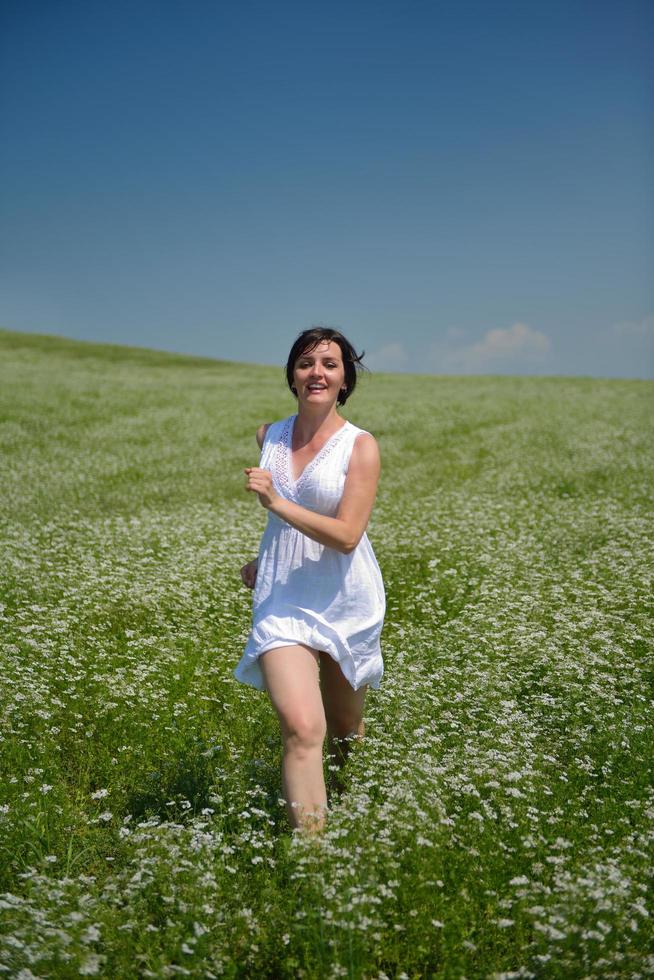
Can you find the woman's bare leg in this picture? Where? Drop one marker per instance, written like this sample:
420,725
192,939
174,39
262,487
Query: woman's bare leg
292,677
343,712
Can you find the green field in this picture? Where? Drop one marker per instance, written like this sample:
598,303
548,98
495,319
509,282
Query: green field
497,820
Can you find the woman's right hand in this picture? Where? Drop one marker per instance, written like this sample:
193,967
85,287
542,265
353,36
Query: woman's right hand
249,573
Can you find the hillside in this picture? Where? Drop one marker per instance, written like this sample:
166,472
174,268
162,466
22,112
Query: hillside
497,816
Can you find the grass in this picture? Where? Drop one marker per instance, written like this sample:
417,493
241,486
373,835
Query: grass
497,820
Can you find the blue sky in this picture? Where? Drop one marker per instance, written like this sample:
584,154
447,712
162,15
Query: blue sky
462,188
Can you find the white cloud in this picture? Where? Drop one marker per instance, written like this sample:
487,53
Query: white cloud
626,349
518,348
390,357
638,329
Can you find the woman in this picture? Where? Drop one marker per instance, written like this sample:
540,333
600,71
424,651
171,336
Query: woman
319,602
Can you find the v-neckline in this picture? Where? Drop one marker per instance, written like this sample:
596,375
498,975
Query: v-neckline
289,453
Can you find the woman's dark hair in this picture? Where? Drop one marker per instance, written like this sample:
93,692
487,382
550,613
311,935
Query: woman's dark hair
308,340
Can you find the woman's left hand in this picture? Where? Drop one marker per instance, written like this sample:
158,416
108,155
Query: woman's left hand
260,482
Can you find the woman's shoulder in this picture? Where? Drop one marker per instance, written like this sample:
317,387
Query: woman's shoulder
269,429
364,447
261,433
363,457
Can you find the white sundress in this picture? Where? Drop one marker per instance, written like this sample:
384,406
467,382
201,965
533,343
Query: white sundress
306,592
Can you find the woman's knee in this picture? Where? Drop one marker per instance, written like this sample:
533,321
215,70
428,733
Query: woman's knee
302,730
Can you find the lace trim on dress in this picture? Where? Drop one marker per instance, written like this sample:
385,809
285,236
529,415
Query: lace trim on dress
283,455
279,460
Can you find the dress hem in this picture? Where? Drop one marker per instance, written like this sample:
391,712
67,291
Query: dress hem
248,670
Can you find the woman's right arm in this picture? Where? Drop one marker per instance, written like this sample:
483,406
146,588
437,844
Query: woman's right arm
249,571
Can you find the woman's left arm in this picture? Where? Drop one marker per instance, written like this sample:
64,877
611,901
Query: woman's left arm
344,531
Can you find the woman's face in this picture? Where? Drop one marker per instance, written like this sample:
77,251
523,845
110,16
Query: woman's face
319,374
